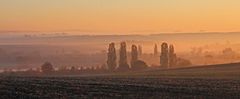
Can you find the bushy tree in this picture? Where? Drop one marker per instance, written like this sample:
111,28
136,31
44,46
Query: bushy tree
139,65
181,62
47,67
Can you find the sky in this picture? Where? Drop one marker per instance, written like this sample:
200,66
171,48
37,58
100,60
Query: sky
120,16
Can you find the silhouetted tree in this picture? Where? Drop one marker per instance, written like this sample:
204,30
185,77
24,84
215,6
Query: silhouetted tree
47,67
111,61
123,65
134,54
139,50
183,62
104,67
228,52
164,55
73,69
139,65
155,50
172,56
81,68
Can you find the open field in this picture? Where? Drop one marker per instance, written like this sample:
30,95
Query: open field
86,87
226,71
214,82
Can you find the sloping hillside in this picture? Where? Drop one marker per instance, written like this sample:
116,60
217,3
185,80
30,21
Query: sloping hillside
231,70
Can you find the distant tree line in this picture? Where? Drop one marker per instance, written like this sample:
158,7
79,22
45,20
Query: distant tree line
168,59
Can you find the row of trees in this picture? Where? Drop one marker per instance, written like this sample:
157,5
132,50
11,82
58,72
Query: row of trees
168,57
122,63
47,68
112,65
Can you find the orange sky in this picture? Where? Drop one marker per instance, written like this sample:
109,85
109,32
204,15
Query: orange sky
120,16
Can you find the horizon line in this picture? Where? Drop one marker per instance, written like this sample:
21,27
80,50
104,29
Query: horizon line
112,34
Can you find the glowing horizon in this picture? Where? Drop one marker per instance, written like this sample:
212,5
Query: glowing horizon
122,16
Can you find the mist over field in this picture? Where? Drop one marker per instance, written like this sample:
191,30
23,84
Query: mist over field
26,50
119,49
